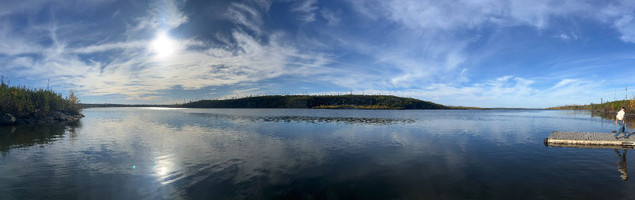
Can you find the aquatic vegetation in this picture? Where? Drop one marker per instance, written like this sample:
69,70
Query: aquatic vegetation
309,119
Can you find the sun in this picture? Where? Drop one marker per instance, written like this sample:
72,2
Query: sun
163,46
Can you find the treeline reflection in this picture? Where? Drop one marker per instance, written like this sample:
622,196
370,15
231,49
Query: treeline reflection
29,135
630,119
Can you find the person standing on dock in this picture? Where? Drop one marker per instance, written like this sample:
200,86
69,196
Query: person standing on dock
619,120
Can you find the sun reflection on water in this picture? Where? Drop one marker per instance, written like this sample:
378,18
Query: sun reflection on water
165,169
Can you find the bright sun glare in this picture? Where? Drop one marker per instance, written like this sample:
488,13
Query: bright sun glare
163,46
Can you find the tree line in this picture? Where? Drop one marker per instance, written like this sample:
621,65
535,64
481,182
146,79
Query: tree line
318,101
606,107
21,101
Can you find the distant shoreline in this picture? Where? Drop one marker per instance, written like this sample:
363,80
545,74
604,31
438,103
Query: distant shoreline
109,105
172,106
366,102
346,102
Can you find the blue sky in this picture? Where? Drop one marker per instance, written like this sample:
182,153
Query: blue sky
487,53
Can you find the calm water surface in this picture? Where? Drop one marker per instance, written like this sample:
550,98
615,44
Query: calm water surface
155,153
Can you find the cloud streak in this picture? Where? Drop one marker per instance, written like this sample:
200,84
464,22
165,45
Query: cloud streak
133,71
307,8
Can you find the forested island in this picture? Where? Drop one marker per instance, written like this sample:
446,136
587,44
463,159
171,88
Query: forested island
21,105
318,102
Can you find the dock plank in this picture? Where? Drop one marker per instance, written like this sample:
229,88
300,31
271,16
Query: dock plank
588,138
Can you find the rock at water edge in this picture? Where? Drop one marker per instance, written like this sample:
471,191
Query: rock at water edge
7,119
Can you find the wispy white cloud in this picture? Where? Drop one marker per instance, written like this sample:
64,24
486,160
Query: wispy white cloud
163,14
138,75
331,17
133,71
13,44
110,46
538,13
443,16
565,82
246,16
21,7
401,63
567,37
438,28
620,15
435,15
307,8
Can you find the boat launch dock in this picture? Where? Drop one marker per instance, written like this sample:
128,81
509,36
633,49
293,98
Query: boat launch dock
601,140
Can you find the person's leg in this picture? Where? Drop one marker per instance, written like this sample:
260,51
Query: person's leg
622,128
619,127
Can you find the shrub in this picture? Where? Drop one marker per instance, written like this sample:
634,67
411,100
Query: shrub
21,101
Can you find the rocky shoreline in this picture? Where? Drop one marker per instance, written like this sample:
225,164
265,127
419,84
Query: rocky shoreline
39,118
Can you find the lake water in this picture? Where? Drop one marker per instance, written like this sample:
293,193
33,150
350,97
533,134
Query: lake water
159,153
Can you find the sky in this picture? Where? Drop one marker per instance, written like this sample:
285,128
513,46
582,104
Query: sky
485,53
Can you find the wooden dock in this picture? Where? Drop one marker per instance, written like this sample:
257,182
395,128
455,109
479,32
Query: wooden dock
589,140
